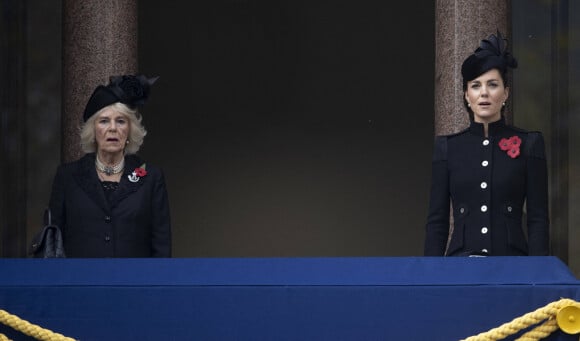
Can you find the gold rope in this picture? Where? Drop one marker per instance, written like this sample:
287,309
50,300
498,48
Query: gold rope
29,329
540,332
544,318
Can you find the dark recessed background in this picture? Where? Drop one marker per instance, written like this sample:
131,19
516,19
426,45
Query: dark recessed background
291,128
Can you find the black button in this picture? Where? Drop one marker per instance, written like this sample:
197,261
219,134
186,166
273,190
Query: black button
107,238
107,218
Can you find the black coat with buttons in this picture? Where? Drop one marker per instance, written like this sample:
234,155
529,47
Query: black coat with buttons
133,223
487,189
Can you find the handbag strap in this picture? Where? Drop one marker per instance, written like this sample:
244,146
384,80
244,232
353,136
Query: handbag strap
47,217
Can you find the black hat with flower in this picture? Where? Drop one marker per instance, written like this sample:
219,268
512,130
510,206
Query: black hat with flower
491,54
131,90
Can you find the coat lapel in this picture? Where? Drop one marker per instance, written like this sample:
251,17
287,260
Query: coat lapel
127,187
87,178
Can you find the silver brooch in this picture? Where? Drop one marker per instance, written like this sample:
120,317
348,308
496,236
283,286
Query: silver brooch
133,177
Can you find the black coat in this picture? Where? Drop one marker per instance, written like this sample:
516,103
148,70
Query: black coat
135,223
487,189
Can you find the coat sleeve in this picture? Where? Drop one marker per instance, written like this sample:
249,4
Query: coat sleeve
437,228
161,224
537,197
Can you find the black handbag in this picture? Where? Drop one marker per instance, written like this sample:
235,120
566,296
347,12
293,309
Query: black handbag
48,243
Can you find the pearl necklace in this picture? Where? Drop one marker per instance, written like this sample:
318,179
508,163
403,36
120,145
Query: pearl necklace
116,169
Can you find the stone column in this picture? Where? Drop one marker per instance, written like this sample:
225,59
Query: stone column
99,40
459,27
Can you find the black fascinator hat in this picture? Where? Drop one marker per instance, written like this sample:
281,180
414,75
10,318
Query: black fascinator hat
491,54
130,90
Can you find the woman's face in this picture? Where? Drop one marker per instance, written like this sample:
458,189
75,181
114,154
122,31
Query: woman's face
486,95
111,131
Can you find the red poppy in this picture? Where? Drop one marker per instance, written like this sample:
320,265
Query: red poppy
504,144
514,152
511,146
140,172
515,141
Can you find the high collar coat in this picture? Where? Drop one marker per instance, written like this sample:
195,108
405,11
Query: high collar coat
135,222
490,193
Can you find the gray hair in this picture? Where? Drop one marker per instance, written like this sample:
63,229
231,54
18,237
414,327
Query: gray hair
137,131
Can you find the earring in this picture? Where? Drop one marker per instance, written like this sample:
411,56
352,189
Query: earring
503,104
127,142
469,104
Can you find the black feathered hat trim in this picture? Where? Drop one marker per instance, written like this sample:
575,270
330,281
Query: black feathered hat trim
127,89
491,54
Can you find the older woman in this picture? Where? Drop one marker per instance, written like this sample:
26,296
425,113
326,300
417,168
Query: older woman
488,172
109,203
